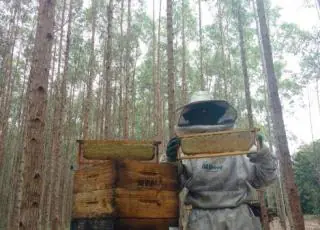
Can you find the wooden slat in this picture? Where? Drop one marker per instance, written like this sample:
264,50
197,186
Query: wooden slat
227,142
93,204
208,155
146,204
145,224
96,177
134,175
120,149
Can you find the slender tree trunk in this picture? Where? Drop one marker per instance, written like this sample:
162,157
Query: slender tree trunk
55,164
121,80
244,66
222,50
277,187
171,78
278,124
108,72
13,222
317,89
133,100
310,121
159,101
91,74
5,98
154,76
127,75
183,80
63,160
200,48
271,137
264,214
17,152
33,153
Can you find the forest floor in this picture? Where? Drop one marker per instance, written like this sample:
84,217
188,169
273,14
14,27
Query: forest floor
310,224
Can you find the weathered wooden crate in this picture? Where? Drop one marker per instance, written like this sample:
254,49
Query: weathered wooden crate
95,177
96,203
128,189
138,194
224,143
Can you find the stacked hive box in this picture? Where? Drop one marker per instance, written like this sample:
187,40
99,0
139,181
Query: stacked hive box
129,194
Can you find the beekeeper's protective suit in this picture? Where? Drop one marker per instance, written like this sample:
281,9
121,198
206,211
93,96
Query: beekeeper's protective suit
218,189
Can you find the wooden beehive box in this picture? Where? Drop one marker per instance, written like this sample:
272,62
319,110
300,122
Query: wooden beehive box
135,193
224,143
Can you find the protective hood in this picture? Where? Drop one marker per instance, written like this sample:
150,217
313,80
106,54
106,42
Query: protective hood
203,114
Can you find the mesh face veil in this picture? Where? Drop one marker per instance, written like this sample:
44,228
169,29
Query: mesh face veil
203,114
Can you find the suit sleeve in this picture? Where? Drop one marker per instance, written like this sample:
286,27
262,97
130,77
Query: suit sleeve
264,168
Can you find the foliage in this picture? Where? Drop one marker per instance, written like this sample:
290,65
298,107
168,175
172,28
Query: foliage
307,176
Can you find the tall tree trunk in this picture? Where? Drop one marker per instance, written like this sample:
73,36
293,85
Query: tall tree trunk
244,66
278,124
127,75
277,187
222,50
171,78
91,72
13,222
5,95
183,80
108,72
284,196
200,48
63,161
264,213
98,109
17,152
159,101
133,97
310,122
55,164
33,153
317,92
154,67
121,81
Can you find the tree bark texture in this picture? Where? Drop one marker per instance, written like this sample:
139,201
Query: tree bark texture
33,153
202,85
63,166
171,78
222,50
127,75
91,73
183,80
278,123
56,161
244,66
159,100
108,72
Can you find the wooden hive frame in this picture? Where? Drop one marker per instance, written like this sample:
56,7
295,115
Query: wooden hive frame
150,148
216,144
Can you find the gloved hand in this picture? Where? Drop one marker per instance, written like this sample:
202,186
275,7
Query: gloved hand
261,152
172,148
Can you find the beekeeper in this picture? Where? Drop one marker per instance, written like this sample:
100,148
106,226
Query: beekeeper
219,189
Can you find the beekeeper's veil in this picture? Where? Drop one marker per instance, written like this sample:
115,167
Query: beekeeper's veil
204,114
